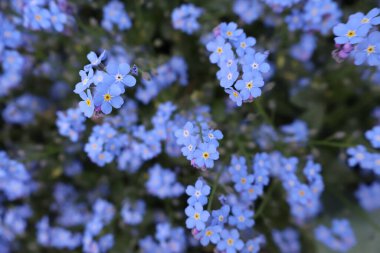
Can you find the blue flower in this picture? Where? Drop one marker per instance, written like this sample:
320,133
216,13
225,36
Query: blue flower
108,96
340,237
37,18
358,155
219,49
242,218
211,233
87,105
115,14
287,240
133,213
250,86
197,217
227,77
244,45
351,33
370,19
184,135
189,148
221,215
253,245
57,17
205,154
230,242
256,63
198,193
312,170
86,81
212,137
185,17
238,165
369,50
118,74
300,193
235,96
373,136
95,60
242,181
229,31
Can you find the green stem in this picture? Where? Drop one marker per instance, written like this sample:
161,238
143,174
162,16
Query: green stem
200,130
266,200
213,190
262,112
330,144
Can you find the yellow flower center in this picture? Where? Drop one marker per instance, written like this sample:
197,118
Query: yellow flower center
243,45
209,233
197,216
251,190
219,50
365,20
243,180
301,193
370,49
101,156
220,218
88,102
107,97
230,241
235,94
37,17
249,85
351,33
241,218
229,33
206,155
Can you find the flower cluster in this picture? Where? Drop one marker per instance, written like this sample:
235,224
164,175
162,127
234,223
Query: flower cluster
164,76
369,163
107,84
43,15
241,67
287,240
12,62
71,123
248,10
303,198
168,239
23,109
280,5
315,16
162,183
13,222
304,49
199,143
214,228
133,212
359,38
15,180
121,138
62,238
185,17
114,14
368,196
359,155
339,237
